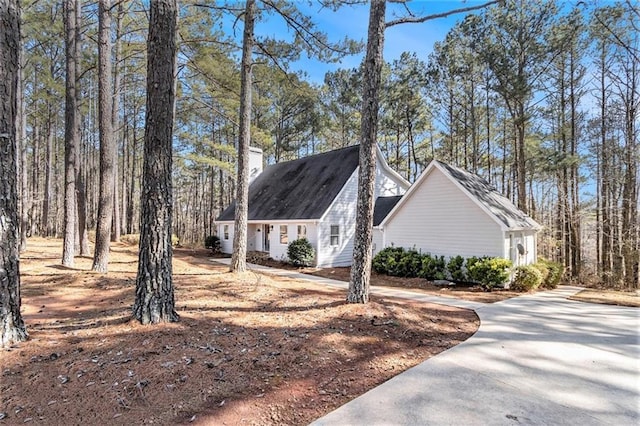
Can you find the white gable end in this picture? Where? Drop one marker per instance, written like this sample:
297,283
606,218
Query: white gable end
439,218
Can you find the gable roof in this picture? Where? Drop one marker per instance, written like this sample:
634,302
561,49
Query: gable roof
299,189
497,204
383,206
498,207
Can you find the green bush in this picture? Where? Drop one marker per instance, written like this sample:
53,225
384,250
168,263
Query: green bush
544,270
409,265
386,261
490,272
456,269
473,273
300,252
433,267
527,278
555,271
212,242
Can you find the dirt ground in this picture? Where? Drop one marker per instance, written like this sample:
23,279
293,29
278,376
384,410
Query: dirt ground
249,349
467,292
609,297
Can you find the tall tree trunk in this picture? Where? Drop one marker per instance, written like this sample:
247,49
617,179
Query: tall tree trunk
83,235
630,243
21,132
521,164
12,328
71,135
107,143
488,125
116,226
576,249
361,268
239,257
607,240
48,191
132,183
155,300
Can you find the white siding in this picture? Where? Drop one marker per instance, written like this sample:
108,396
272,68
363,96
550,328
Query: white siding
387,185
528,241
342,213
227,245
279,251
252,236
378,240
439,218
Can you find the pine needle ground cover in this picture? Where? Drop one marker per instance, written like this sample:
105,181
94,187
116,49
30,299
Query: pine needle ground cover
249,349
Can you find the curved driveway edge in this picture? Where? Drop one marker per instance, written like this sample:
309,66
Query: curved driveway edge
537,359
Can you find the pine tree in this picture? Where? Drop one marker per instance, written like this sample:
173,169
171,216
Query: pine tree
155,301
12,328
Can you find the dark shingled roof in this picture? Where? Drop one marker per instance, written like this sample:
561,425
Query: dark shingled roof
501,207
383,207
299,189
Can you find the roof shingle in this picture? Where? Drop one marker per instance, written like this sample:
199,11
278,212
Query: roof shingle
299,189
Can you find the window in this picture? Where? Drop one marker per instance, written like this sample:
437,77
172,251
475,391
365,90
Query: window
302,231
335,235
226,232
284,236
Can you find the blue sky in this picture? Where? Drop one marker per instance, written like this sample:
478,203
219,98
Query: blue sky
352,22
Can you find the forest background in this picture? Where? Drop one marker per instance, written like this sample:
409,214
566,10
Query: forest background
543,103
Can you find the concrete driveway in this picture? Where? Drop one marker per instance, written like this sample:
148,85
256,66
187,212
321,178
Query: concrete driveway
537,359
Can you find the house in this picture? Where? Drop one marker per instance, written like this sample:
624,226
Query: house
313,197
448,212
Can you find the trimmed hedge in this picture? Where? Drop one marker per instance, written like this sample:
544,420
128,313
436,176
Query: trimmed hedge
490,272
399,262
456,269
433,267
300,252
527,278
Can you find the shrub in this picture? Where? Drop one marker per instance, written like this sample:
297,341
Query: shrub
386,261
433,267
212,242
456,269
554,274
300,252
544,270
490,272
409,265
527,278
473,273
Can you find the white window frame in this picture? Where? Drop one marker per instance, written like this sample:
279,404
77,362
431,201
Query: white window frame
334,235
302,231
225,232
284,236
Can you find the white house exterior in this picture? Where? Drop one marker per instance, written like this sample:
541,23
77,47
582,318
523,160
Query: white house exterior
449,212
313,197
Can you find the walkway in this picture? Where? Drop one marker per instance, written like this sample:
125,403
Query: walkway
538,359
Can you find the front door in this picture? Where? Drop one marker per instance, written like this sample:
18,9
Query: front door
266,237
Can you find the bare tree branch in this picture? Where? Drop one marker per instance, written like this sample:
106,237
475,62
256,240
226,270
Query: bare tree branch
421,19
